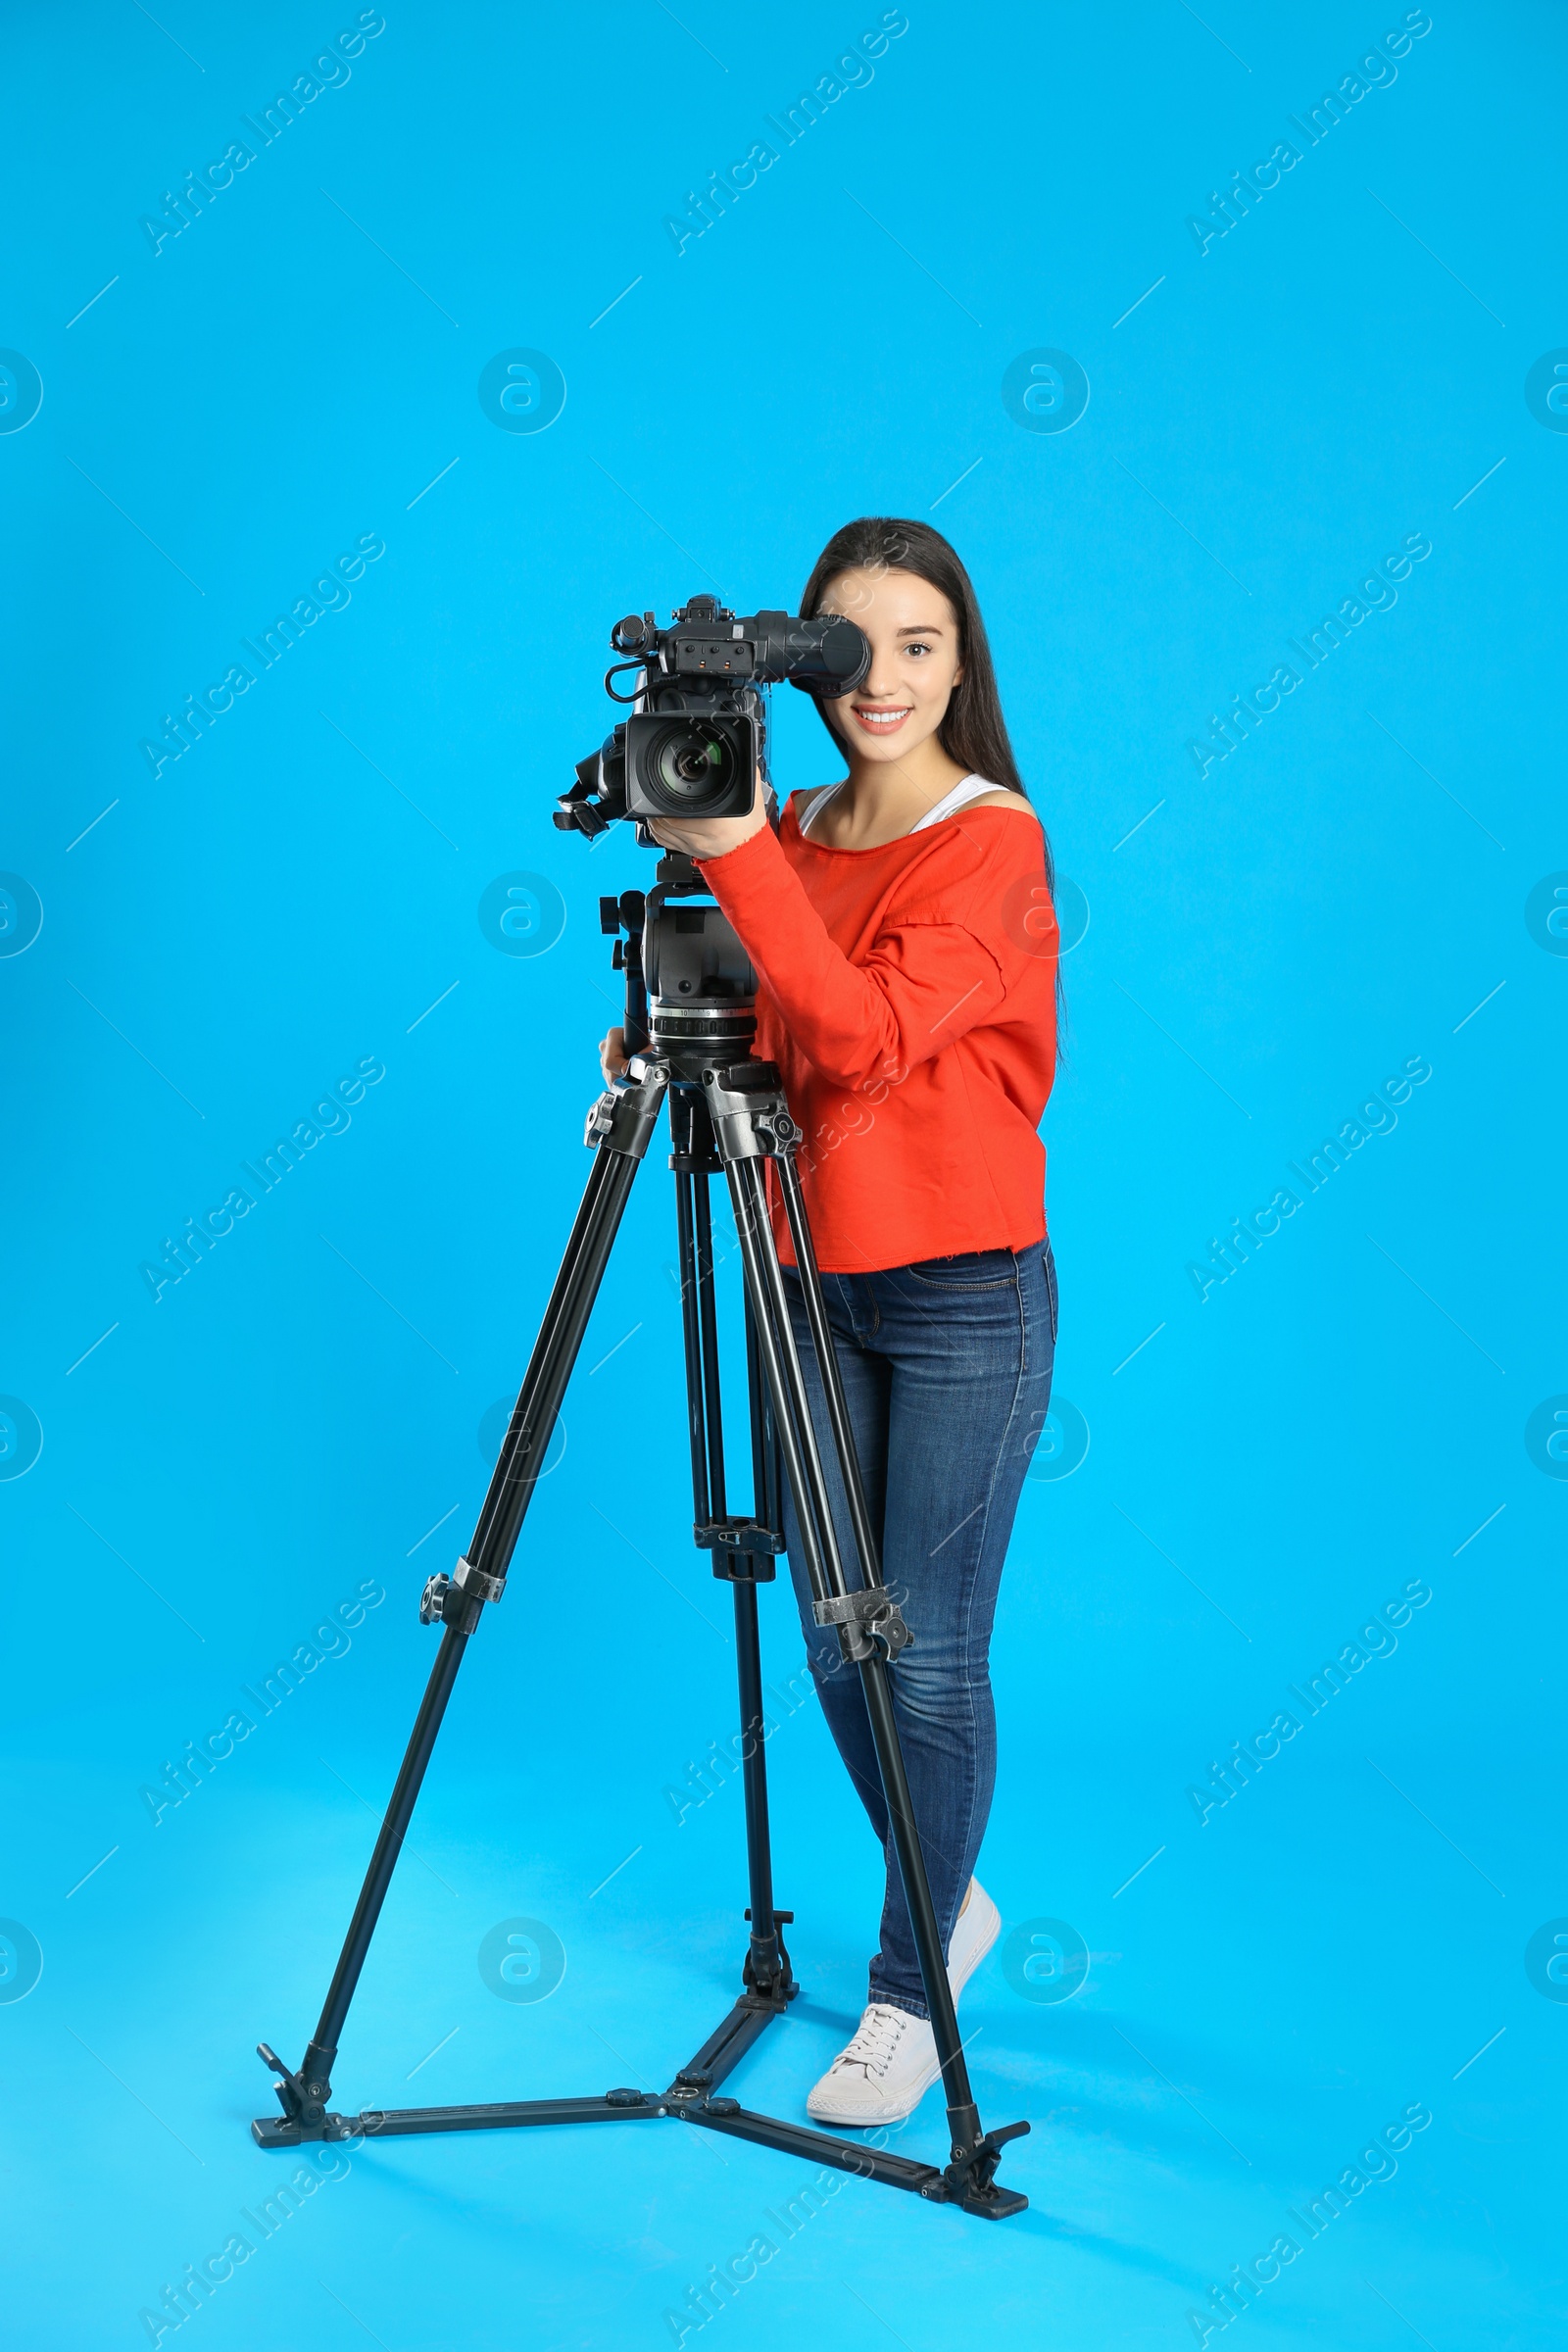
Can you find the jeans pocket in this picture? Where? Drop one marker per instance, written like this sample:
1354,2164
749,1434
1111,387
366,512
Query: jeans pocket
967,1270
1049,1262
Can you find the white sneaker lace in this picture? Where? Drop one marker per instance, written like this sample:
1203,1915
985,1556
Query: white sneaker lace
876,2040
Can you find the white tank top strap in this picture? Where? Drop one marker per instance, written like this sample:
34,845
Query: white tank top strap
967,788
815,805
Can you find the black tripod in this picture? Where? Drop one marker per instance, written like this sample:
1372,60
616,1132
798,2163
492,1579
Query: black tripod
727,1112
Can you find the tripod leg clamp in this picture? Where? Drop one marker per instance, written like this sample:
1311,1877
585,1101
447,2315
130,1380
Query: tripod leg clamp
455,1599
624,1117
869,1621
749,1116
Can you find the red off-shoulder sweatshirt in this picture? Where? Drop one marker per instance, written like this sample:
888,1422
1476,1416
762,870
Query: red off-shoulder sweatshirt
907,993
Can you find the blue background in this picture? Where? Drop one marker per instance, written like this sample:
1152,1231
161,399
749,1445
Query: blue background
301,890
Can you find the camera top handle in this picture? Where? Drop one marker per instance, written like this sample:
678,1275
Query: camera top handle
828,657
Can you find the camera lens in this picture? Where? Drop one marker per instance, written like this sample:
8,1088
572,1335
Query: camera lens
692,767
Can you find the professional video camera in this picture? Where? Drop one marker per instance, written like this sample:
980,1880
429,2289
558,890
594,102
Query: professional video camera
695,746
697,740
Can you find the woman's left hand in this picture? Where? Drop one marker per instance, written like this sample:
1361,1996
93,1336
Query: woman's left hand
710,837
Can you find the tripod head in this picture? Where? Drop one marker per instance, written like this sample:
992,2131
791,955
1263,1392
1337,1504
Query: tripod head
691,991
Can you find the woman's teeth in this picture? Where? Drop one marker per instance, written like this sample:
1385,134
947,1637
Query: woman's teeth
883,718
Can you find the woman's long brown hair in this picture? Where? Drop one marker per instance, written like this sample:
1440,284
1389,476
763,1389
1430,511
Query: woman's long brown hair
973,730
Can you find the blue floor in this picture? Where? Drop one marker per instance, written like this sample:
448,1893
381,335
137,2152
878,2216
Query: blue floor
1282,1989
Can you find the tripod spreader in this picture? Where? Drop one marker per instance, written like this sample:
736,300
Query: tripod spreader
744,1550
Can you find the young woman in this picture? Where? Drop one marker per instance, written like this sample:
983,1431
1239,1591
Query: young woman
902,928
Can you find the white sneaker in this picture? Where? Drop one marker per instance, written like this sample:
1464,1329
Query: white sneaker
882,2075
974,1932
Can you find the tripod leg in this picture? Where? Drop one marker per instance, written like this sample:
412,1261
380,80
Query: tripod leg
962,2110
747,1120
775,1346
769,1968
625,1124
621,1126
873,1666
682,1160
693,1161
838,1409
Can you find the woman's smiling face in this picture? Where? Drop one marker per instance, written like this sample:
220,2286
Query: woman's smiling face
914,634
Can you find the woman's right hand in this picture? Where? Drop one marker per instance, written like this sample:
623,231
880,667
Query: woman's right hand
613,1056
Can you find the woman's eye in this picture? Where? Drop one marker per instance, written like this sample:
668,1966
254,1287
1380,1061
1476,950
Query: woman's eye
917,646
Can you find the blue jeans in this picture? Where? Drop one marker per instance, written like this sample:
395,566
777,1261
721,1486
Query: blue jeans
946,1367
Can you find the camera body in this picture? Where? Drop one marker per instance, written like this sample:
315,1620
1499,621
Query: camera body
695,756
695,744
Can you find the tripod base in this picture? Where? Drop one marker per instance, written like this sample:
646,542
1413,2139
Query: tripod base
967,2183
